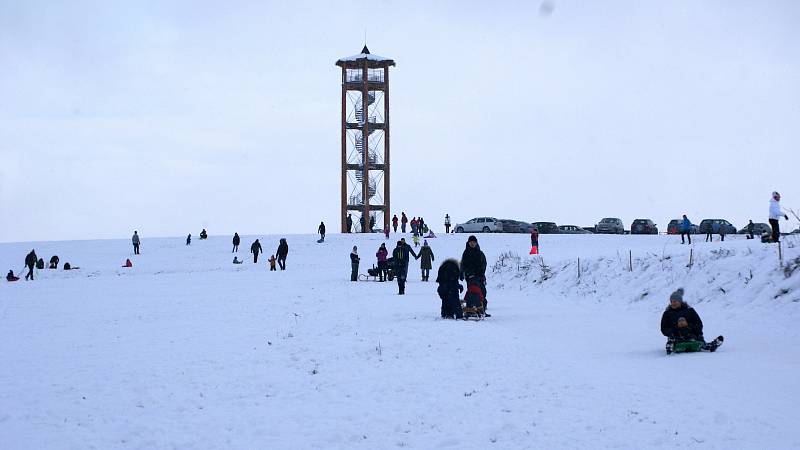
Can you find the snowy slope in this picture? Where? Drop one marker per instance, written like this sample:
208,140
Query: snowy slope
187,350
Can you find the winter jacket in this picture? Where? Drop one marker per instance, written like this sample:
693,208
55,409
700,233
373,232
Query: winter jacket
394,220
283,249
426,255
354,259
401,255
534,238
256,247
669,322
135,239
775,209
236,239
382,254
473,262
321,229
686,225
404,219
30,259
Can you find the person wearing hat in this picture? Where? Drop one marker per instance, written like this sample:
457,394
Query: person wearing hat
473,266
683,328
354,260
400,257
775,213
426,254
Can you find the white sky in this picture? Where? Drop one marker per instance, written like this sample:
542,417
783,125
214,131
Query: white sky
167,118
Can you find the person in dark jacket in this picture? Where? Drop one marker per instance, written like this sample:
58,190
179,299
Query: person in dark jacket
30,262
54,262
683,328
371,224
401,256
255,249
394,223
354,260
11,277
40,263
403,221
349,223
283,250
686,229
447,224
189,239
135,241
203,234
236,241
750,228
321,231
426,255
449,289
473,265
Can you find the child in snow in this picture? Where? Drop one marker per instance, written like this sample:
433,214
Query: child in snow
10,277
415,239
683,327
128,263
272,260
236,260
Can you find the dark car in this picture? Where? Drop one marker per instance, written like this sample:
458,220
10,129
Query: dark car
674,227
758,228
546,227
515,226
572,229
611,225
716,226
643,226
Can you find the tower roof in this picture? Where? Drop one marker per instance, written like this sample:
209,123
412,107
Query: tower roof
365,55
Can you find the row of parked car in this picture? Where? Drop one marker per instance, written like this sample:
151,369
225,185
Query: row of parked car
607,225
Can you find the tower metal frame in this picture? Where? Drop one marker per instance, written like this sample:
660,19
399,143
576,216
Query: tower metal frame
365,88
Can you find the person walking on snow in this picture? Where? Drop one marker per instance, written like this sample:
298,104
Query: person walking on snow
686,229
775,214
255,249
382,254
189,239
750,228
683,327
354,260
401,258
30,262
135,240
349,223
283,250
426,255
447,224
534,240
403,222
473,266
394,223
236,241
321,231
386,230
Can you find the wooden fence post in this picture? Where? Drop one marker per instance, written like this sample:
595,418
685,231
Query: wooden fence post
630,260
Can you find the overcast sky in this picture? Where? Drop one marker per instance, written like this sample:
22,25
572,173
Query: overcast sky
167,117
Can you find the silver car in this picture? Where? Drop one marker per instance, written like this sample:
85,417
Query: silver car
480,225
610,225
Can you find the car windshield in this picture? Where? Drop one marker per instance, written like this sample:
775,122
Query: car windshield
608,221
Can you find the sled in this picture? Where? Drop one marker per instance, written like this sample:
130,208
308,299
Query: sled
472,312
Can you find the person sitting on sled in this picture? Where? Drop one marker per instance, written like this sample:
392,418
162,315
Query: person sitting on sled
683,327
236,260
11,277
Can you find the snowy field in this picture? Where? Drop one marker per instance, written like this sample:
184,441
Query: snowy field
186,350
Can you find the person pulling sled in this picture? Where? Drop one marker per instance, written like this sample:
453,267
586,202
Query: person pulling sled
683,328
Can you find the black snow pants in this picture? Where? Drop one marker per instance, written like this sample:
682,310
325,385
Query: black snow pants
776,230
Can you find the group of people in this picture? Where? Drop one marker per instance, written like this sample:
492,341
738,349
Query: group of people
472,269
34,262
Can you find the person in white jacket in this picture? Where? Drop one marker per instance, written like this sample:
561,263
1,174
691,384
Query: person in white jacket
775,214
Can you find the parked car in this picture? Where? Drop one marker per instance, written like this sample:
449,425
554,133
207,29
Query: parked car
572,229
610,225
643,226
592,230
546,227
674,227
715,225
480,225
758,228
515,226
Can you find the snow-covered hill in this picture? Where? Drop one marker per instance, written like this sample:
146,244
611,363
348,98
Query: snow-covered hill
187,350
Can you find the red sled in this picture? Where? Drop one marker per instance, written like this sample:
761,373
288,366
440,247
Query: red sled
534,250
